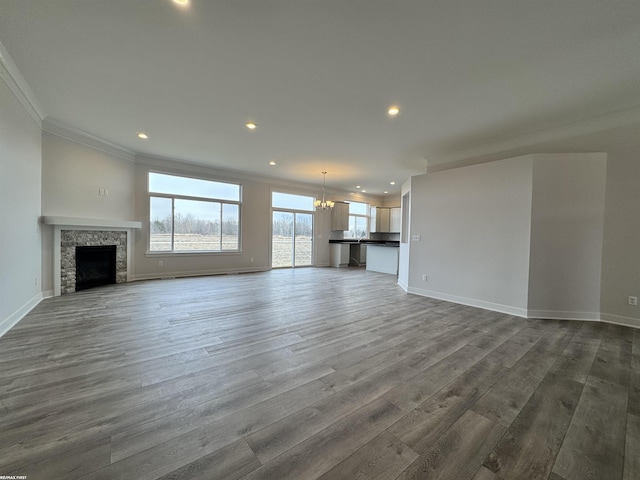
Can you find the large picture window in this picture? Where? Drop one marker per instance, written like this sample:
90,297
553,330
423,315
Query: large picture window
192,214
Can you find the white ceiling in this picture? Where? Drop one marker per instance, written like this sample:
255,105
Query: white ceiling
318,76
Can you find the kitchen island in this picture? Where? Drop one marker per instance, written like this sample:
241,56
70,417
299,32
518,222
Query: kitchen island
382,258
379,256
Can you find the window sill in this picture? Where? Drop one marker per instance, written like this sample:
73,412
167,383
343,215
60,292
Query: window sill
191,253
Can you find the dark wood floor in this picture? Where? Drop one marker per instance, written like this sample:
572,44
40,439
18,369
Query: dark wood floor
311,373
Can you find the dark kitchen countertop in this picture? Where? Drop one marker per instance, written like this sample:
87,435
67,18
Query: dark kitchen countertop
378,243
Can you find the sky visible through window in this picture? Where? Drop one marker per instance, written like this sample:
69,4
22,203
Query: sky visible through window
290,201
193,187
358,208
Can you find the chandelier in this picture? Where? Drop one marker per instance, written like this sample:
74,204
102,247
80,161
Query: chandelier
323,204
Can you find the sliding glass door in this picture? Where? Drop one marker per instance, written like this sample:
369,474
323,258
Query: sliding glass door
292,239
291,230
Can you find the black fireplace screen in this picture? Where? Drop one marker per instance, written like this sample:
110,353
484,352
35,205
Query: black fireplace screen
95,266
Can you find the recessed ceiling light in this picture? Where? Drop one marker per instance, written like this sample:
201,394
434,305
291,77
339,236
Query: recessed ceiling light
143,136
364,191
358,186
250,125
385,191
393,111
182,3
272,163
392,183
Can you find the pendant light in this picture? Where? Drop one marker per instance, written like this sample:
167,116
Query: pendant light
323,204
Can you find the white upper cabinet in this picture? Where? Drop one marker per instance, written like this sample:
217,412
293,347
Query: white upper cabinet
395,220
385,220
380,217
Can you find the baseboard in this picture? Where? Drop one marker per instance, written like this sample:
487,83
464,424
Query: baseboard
619,320
471,302
521,312
15,317
198,273
48,294
564,315
403,286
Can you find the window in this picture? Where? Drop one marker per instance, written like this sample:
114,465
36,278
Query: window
289,201
193,215
358,220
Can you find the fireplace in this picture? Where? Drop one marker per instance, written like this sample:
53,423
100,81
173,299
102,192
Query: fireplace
72,232
95,266
74,243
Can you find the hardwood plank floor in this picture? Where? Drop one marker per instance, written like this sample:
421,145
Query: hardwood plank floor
265,375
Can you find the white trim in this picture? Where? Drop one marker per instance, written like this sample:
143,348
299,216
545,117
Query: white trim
9,322
196,273
56,127
76,222
471,302
19,87
403,286
564,315
619,320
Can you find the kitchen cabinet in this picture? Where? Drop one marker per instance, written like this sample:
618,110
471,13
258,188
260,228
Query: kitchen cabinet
340,216
395,220
339,254
380,217
385,220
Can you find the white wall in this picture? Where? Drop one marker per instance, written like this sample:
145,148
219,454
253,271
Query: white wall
20,190
621,246
391,200
522,235
474,224
567,221
72,176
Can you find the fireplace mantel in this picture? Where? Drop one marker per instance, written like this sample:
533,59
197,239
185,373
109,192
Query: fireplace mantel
89,225
89,222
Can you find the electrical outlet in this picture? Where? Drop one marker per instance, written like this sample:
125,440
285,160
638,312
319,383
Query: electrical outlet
633,301
101,192
424,277
161,263
251,259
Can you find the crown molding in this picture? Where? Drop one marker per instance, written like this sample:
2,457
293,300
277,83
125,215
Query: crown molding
606,121
55,127
19,87
186,167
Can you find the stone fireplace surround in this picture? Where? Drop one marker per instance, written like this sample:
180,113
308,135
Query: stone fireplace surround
70,239
70,232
